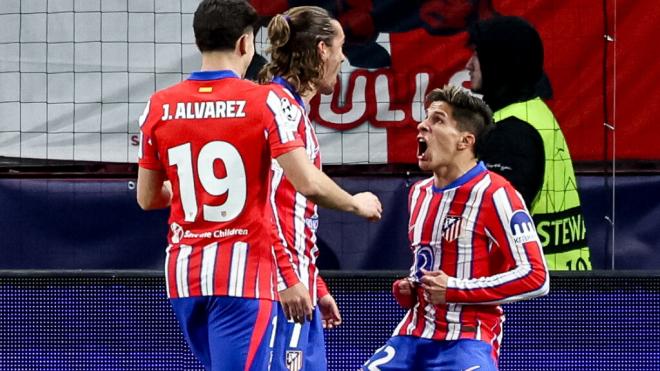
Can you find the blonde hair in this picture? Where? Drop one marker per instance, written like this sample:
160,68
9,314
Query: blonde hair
293,38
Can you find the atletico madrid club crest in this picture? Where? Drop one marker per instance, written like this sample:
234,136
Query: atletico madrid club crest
294,360
451,228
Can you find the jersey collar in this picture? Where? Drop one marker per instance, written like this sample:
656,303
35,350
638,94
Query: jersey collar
213,75
281,81
476,170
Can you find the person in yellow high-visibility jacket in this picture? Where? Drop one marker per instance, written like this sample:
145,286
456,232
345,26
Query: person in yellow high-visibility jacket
527,145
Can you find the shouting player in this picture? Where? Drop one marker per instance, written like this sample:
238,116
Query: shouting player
475,248
212,138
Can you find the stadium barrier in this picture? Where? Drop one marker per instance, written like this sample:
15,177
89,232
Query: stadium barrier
121,320
96,224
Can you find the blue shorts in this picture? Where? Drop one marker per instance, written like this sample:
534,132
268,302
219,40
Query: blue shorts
413,353
299,346
228,333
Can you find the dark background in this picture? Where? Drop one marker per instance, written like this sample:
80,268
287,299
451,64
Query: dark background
97,224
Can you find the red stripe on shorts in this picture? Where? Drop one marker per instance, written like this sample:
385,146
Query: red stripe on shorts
260,326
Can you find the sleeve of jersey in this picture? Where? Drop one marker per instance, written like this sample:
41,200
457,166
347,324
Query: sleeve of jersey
513,232
147,151
413,212
283,118
321,287
283,260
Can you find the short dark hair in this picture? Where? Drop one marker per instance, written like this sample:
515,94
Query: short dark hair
470,112
293,38
218,24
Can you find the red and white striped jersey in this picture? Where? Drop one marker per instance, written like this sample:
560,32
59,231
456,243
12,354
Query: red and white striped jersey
213,136
296,218
478,231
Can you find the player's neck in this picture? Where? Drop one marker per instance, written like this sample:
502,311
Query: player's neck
307,97
217,61
445,175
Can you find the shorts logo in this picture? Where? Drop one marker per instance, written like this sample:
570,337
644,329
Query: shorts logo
294,360
177,232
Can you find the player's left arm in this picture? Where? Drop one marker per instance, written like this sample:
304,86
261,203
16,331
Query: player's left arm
321,287
153,191
516,235
330,315
293,294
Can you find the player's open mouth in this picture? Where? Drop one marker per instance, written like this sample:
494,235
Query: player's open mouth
422,146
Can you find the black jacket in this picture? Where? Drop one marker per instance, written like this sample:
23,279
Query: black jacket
510,54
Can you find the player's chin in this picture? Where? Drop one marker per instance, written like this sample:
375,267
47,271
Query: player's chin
327,88
424,164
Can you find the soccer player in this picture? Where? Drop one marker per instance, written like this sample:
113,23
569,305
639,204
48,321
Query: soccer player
474,243
205,150
306,54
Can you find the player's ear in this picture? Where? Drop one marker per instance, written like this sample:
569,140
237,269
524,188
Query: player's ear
467,140
322,49
241,44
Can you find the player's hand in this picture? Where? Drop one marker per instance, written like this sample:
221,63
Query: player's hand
368,206
404,293
296,303
434,284
167,188
329,312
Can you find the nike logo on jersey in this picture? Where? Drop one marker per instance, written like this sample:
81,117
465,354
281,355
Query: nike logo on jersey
472,368
205,110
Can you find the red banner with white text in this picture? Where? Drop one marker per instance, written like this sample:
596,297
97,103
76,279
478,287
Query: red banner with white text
425,47
72,88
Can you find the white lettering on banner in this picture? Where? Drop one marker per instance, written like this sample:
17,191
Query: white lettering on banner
421,86
360,97
459,78
205,110
383,103
358,105
369,98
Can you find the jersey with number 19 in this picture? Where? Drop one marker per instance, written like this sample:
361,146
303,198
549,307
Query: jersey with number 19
214,135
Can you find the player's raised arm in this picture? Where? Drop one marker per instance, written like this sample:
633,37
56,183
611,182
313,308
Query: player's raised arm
306,178
322,190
